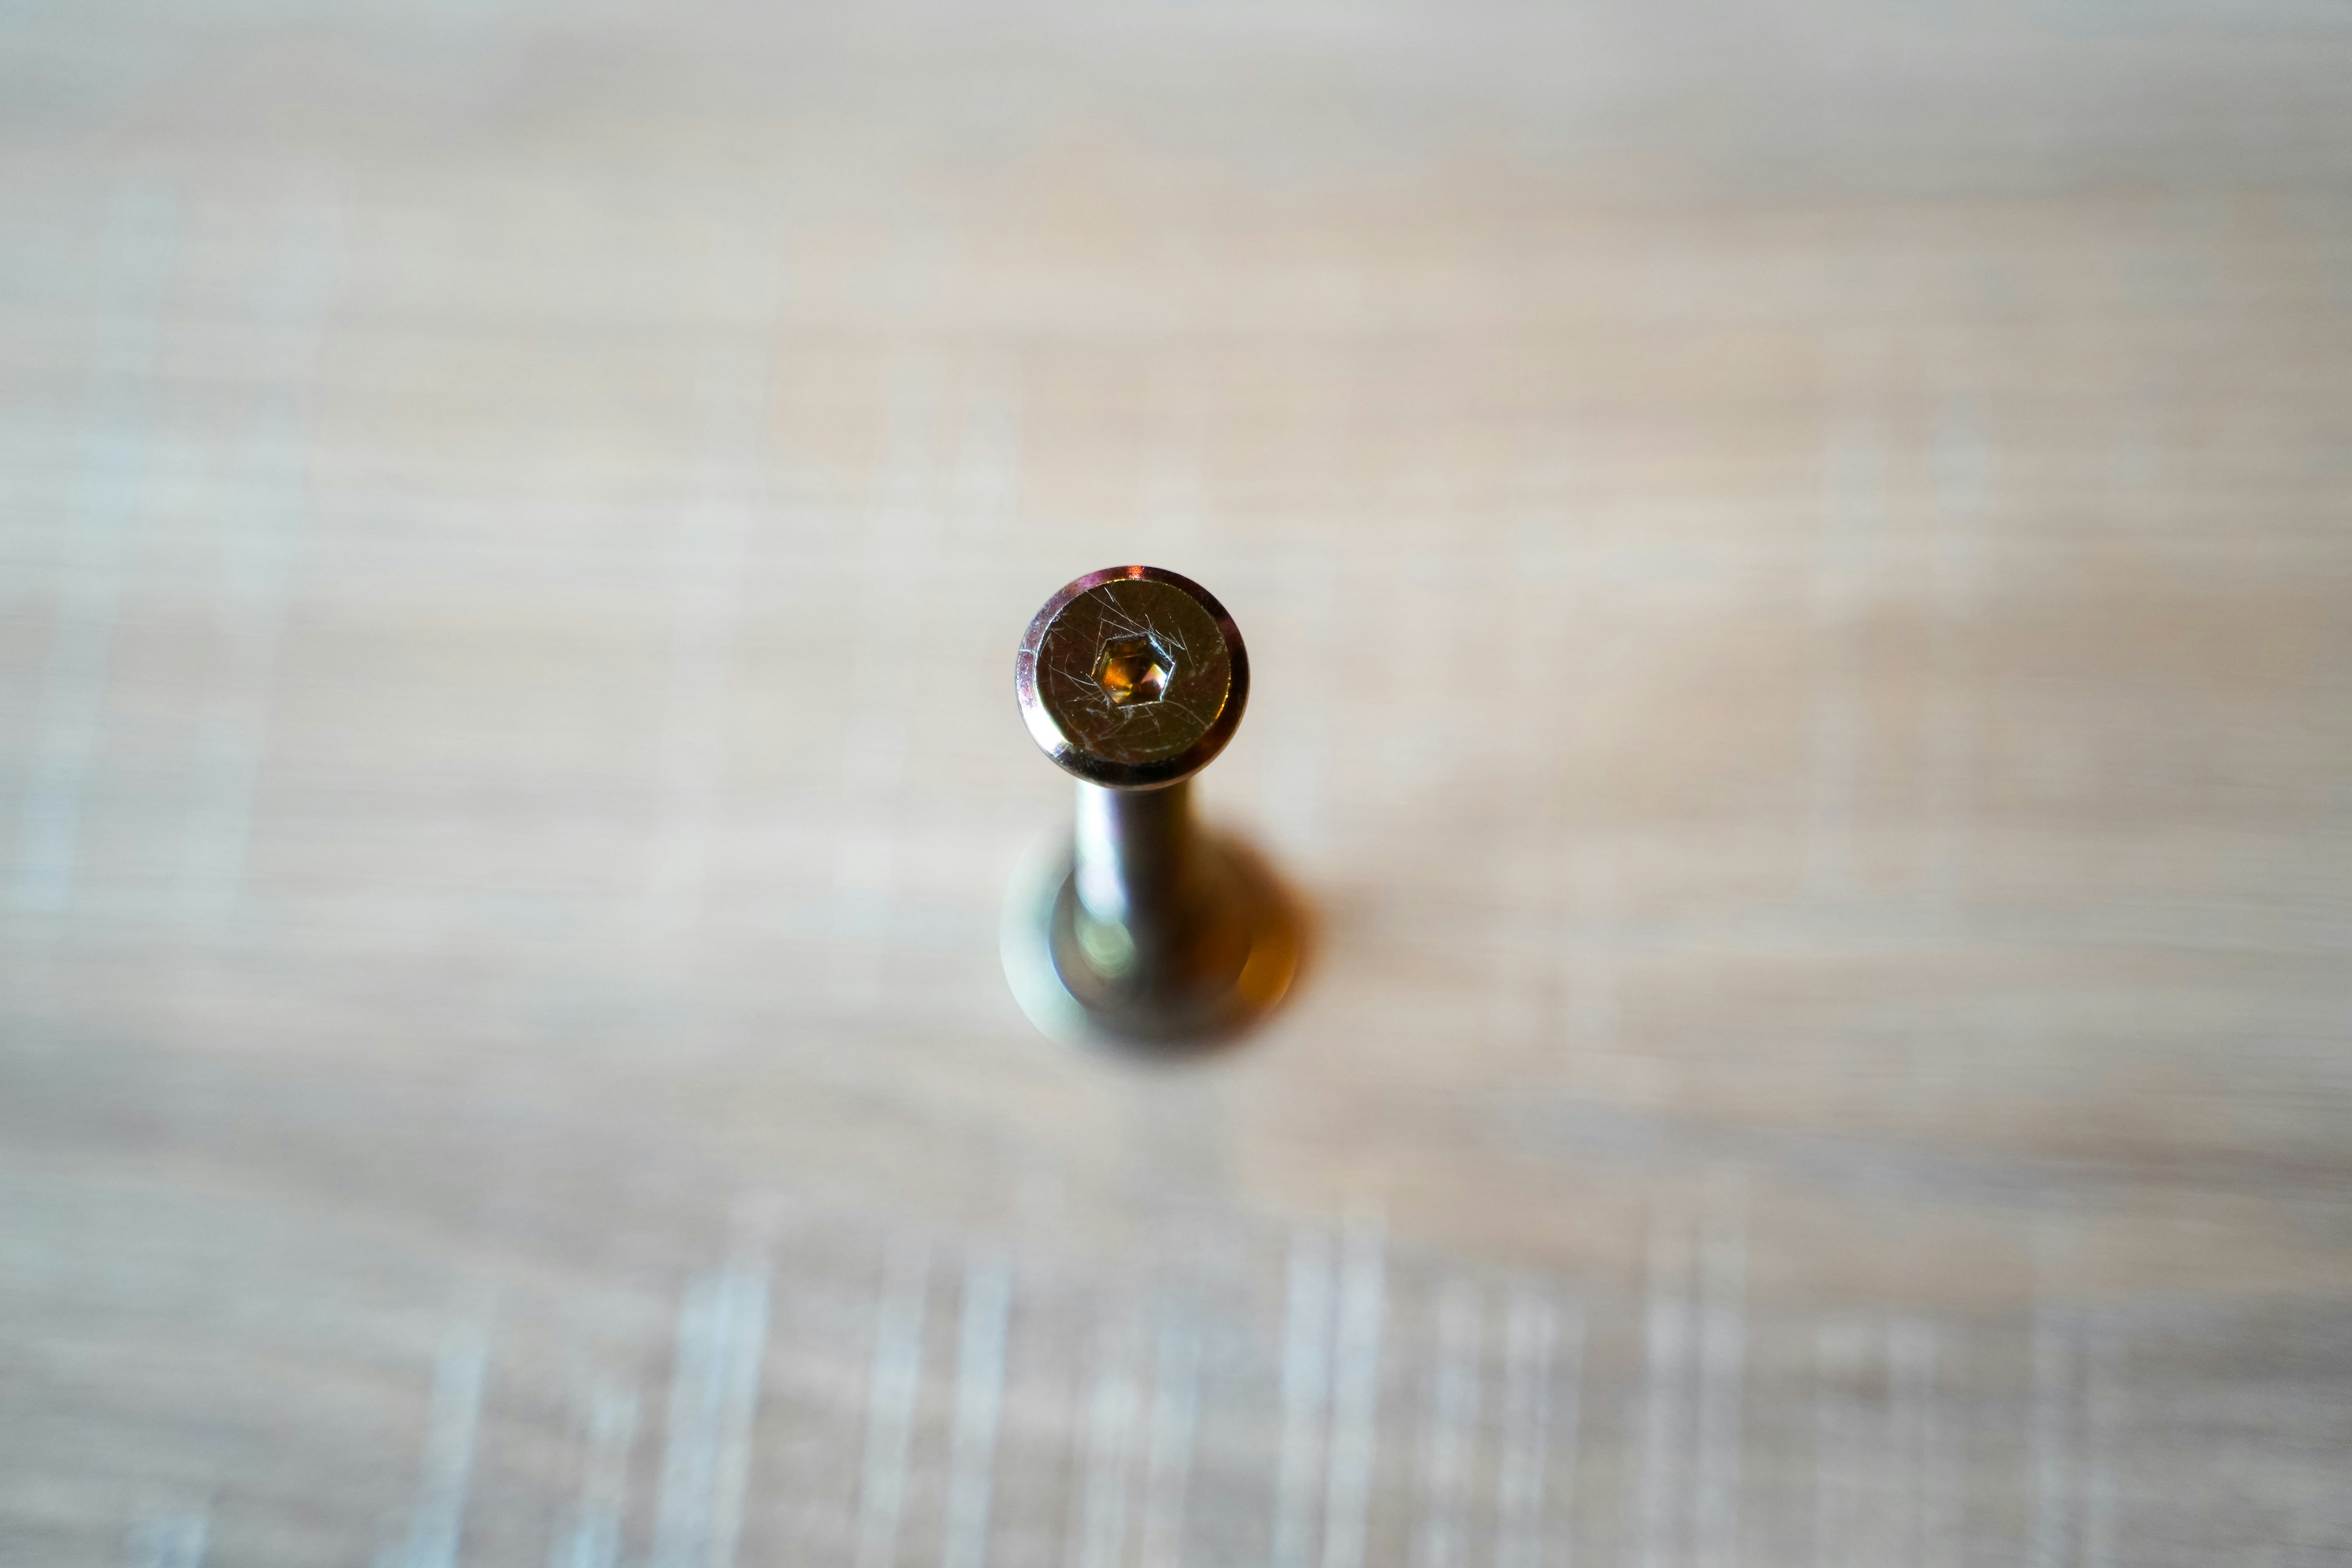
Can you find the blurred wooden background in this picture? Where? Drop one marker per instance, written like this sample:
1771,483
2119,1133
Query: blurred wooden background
1798,568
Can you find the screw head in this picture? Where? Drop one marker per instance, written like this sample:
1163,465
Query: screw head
1132,678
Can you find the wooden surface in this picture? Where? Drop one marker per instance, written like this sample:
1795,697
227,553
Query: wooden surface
1798,574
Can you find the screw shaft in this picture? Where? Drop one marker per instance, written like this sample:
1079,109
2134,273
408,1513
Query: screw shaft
1137,865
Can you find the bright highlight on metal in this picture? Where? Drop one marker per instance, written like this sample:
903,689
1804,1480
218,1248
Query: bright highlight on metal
1137,927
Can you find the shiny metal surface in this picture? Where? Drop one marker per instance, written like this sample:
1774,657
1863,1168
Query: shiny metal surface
1132,677
1139,927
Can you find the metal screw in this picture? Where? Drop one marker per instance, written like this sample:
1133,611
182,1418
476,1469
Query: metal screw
1137,926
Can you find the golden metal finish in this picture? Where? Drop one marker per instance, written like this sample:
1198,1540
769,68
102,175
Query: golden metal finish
1137,927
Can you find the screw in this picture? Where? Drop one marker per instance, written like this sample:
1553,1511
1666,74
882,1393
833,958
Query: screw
1138,926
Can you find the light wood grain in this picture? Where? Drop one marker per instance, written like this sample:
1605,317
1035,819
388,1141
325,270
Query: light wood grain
1798,578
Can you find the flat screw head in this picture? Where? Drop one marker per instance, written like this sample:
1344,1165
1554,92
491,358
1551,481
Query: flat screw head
1132,678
